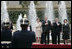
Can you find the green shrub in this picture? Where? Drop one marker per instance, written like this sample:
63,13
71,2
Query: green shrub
40,13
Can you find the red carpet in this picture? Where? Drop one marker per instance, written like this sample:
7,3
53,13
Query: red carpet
50,46
42,46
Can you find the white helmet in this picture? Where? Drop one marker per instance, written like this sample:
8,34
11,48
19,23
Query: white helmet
24,21
6,22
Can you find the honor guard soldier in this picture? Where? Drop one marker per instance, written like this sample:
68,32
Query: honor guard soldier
6,33
23,38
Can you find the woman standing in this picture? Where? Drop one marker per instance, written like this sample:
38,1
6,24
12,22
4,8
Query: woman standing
38,30
66,30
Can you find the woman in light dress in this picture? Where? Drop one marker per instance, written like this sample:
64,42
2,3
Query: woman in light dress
38,30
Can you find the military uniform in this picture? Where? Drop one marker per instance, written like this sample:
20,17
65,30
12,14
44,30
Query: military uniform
6,35
23,39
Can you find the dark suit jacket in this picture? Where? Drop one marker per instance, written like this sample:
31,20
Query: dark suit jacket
56,29
46,28
23,39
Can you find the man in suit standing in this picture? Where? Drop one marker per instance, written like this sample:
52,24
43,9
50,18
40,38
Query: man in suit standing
23,38
46,26
56,29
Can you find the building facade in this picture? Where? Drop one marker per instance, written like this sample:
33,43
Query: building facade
40,4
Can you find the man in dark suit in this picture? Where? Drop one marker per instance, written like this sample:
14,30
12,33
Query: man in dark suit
23,38
46,26
56,29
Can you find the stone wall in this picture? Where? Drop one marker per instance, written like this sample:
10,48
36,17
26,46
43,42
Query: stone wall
40,4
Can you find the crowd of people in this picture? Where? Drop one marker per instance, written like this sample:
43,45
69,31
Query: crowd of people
45,27
25,38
